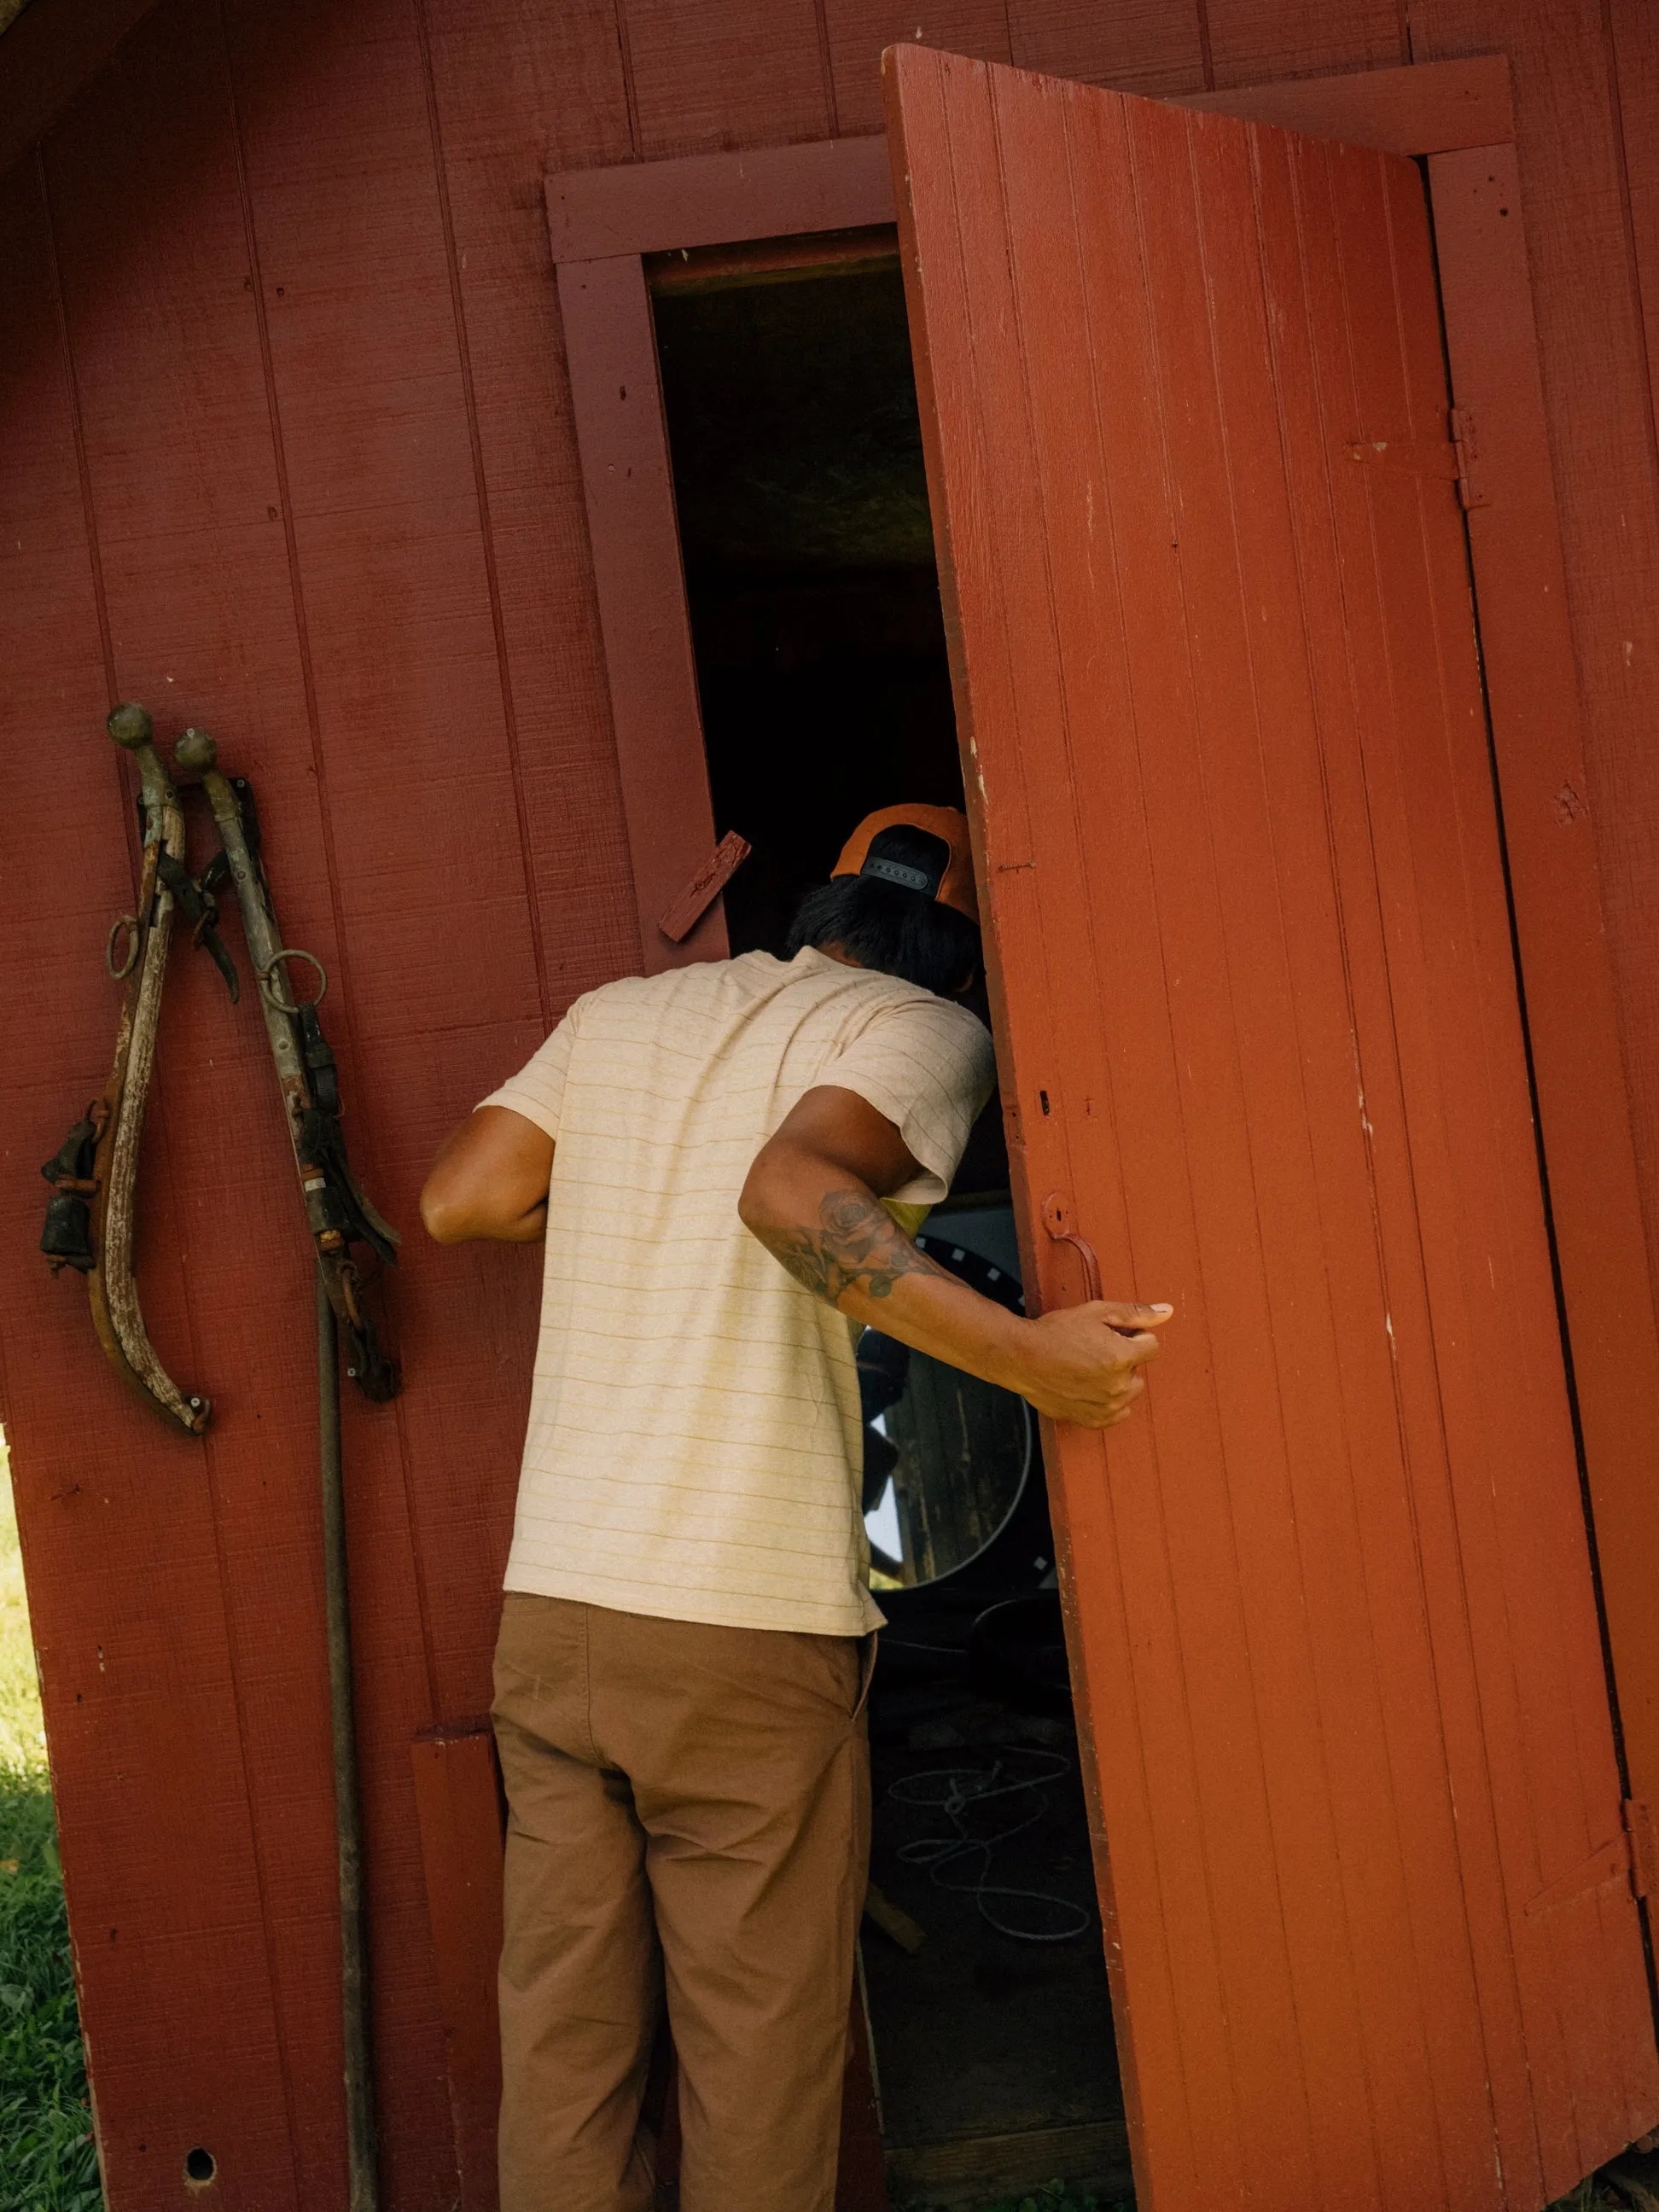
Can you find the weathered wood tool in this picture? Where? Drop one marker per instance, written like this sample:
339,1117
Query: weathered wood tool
337,1212
90,1215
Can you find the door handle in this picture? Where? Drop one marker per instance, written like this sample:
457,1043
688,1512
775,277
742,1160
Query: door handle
1056,1214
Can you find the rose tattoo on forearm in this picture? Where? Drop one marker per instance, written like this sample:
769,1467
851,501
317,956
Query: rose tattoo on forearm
857,1245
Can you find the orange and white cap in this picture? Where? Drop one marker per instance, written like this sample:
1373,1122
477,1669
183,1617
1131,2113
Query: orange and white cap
951,882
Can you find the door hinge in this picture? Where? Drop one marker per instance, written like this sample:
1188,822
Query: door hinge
1457,461
1638,1833
1631,1854
1466,450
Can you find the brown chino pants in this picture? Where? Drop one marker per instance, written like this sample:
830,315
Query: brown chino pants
688,1821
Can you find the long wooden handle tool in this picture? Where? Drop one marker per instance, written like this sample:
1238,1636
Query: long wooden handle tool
90,1219
337,1211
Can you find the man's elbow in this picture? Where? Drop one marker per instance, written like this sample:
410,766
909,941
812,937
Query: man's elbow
758,1200
748,1207
445,1217
785,1177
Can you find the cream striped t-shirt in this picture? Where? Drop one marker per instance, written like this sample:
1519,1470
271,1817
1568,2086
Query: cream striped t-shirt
694,1447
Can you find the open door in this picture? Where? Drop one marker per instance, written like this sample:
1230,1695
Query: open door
1369,1900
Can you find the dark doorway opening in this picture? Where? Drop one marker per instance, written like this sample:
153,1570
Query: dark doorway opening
809,559
790,401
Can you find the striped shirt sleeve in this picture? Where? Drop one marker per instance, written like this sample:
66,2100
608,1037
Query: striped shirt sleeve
536,1091
927,1065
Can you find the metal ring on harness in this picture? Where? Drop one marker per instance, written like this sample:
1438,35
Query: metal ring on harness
123,921
269,992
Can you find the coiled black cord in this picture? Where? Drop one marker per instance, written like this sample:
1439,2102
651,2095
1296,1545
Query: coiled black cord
956,1791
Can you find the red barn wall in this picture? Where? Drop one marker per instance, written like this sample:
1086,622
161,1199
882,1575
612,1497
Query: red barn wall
286,450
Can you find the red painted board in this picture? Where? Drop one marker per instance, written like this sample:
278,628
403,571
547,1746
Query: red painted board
705,887
1329,1598
1574,163
570,107
1550,836
117,1517
1426,109
702,81
1256,41
857,31
222,1562
710,199
1150,47
1635,50
457,1804
612,348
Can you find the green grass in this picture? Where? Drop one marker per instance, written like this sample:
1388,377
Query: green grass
48,2163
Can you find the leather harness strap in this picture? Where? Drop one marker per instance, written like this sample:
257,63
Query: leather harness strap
91,1214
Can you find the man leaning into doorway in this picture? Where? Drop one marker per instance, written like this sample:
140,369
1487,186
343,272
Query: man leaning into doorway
688,1629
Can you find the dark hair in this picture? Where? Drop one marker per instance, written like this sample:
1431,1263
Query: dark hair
883,926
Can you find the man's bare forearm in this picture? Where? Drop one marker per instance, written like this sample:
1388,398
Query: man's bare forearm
856,1258
810,1198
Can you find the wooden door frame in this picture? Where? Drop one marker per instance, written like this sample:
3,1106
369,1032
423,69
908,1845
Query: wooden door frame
602,221
1456,116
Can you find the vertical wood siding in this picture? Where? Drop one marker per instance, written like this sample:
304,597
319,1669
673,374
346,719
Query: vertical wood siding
1633,31
1145,47
1571,131
858,28
1252,41
287,450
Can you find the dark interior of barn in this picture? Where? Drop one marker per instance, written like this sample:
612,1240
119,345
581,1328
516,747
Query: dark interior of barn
825,690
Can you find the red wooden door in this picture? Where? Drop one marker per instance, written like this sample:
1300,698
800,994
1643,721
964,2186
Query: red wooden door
1368,1905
